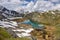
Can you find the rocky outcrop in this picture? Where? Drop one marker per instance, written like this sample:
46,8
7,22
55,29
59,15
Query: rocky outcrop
44,34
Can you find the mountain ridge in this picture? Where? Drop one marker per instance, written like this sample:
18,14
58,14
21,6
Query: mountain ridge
6,13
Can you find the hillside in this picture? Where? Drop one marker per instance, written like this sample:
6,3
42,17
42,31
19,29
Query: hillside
49,18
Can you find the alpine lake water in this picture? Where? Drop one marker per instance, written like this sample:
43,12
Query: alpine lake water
34,24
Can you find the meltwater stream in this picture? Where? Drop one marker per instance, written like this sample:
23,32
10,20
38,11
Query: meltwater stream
34,24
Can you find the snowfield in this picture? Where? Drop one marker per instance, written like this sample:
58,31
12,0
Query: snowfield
20,32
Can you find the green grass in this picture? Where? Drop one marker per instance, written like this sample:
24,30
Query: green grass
57,32
23,38
4,34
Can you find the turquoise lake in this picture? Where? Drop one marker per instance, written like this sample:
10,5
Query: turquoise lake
34,24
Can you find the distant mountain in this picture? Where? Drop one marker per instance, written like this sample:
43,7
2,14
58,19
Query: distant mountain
5,13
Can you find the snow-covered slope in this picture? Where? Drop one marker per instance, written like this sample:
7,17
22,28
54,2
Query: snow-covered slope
5,13
12,28
6,24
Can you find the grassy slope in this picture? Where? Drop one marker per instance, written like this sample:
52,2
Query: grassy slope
4,35
57,32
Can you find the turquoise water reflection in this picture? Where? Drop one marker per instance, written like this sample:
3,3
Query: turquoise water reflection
34,24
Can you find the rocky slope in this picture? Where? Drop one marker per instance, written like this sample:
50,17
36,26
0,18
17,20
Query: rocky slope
49,17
